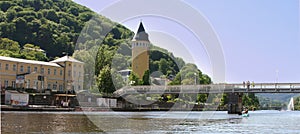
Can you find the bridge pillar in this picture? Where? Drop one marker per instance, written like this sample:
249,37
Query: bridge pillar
235,103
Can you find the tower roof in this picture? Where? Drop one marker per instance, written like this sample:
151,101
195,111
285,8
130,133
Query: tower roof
141,34
141,28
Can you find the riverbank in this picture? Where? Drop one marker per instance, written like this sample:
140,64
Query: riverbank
96,109
35,108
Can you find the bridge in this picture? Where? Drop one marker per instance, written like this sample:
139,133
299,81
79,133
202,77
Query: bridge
212,88
234,91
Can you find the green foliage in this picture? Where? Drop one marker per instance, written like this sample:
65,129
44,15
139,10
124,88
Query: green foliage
202,98
190,75
105,82
297,103
10,48
55,26
146,78
134,79
10,45
163,61
224,100
250,101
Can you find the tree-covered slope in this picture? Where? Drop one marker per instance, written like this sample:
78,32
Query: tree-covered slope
53,25
58,26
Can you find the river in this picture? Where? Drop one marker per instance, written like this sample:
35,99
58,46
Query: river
150,122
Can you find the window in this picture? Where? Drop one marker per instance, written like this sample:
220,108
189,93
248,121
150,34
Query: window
78,87
42,70
60,88
28,69
35,85
6,83
49,71
74,73
14,67
54,86
54,71
79,74
21,68
6,67
49,86
35,69
13,84
28,84
60,72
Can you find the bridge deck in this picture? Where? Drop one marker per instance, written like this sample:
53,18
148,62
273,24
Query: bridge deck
213,88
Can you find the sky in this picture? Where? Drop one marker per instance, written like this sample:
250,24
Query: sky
260,39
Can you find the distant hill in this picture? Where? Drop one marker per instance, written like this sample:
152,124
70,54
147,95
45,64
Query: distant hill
284,98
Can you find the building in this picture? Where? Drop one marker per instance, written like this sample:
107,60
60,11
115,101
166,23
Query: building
125,75
62,74
140,52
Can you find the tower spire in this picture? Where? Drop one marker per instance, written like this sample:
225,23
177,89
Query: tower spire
141,34
141,28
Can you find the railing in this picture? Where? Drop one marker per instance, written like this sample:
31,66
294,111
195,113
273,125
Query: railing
213,88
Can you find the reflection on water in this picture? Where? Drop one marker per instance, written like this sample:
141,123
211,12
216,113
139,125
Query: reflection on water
20,122
150,122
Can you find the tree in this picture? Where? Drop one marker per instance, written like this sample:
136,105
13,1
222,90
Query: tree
146,78
104,81
10,45
163,65
134,79
202,98
104,57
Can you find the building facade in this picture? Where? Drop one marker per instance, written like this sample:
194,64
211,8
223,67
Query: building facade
140,52
62,74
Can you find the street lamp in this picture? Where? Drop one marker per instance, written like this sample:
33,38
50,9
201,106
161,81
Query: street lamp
195,78
277,71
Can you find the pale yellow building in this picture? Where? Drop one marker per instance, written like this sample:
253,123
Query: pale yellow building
62,74
140,52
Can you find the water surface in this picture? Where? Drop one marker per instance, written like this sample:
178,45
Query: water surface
150,122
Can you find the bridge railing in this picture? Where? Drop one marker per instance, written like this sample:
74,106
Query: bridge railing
212,88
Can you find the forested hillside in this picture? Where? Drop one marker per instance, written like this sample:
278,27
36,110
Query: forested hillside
53,25
64,27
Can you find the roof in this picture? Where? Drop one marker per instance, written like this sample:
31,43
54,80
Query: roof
141,28
66,58
28,61
126,70
141,34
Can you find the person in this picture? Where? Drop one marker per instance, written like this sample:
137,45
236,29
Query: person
62,103
253,85
245,111
244,84
248,84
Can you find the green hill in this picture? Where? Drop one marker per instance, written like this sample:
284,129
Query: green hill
53,25
58,26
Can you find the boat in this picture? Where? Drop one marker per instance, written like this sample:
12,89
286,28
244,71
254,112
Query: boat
245,115
290,106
